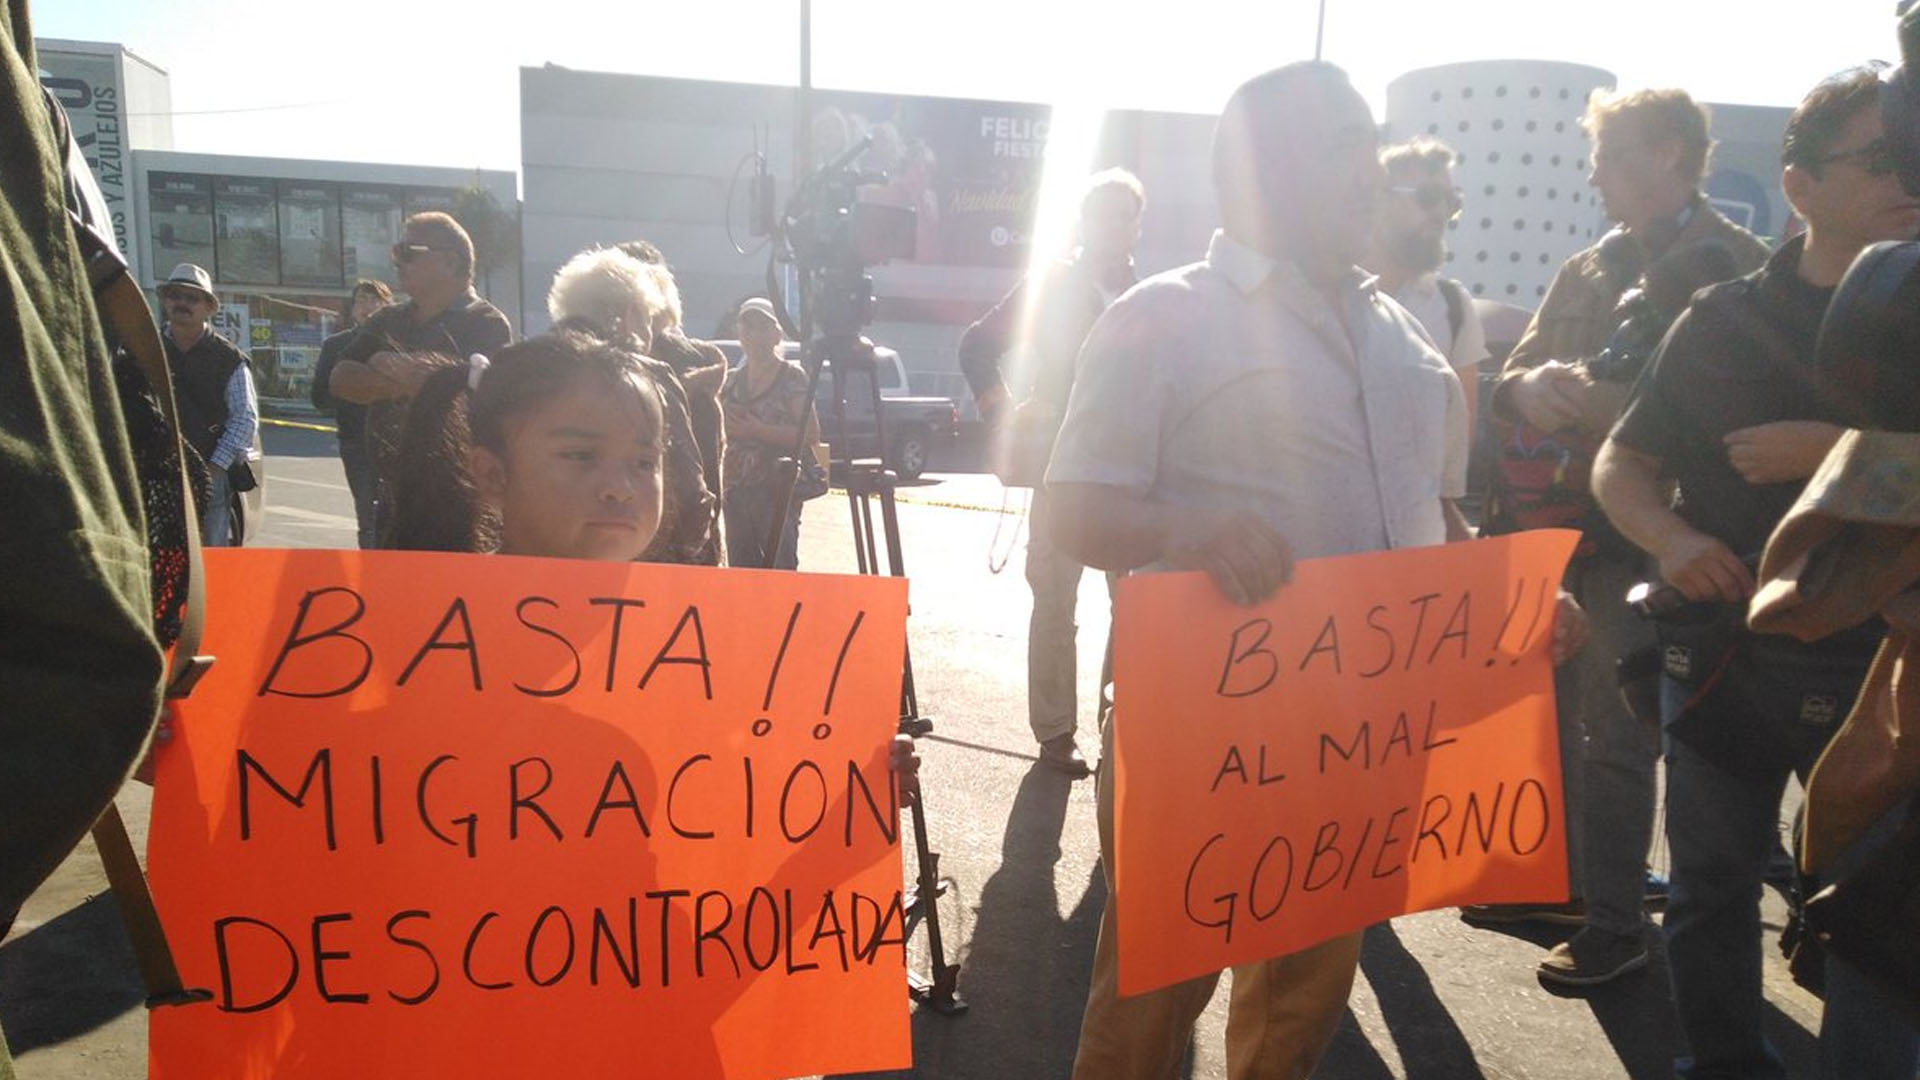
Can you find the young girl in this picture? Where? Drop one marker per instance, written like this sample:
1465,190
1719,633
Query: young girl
554,447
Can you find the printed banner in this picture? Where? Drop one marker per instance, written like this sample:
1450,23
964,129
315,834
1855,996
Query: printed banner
969,170
1376,739
450,815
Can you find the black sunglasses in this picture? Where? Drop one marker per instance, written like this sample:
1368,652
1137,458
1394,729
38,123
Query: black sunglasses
1432,196
1875,158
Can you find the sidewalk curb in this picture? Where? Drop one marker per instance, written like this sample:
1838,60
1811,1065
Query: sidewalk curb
301,425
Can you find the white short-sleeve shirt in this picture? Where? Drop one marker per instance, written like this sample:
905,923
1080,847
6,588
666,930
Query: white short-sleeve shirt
1233,384
1425,302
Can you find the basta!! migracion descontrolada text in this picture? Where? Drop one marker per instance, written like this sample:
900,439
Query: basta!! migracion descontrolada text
472,789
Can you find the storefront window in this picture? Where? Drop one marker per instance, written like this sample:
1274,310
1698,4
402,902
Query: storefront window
246,230
309,233
369,226
180,209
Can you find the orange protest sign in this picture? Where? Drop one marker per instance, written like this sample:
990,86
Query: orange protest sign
448,815
1378,738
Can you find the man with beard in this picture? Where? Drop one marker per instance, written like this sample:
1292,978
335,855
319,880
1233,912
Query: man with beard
1410,243
213,386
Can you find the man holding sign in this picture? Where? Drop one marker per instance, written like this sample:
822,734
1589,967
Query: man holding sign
1232,416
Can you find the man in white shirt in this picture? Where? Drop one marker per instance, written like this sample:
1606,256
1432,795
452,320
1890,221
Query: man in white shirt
1264,405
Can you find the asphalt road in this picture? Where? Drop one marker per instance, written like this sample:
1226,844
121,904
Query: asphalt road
1437,999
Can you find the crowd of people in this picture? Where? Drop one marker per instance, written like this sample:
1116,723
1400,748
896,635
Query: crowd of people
404,414
1227,416
1307,389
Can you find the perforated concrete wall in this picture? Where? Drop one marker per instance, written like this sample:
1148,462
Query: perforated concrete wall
1523,165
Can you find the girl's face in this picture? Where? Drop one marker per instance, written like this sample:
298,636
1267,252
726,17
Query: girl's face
581,475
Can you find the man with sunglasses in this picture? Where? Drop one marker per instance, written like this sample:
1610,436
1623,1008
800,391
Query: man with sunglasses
1557,398
1735,415
443,321
1410,243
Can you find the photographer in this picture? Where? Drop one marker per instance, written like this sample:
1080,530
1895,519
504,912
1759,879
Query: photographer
1562,388
1736,413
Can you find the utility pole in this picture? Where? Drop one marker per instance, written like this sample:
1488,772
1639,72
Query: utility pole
803,153
802,111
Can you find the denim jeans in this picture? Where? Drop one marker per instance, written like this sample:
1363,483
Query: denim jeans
1607,754
216,529
1721,826
357,462
1862,1033
749,513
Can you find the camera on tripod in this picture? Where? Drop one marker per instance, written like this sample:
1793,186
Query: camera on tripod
833,237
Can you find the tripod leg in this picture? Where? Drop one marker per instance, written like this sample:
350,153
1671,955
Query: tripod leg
942,992
911,722
864,535
890,517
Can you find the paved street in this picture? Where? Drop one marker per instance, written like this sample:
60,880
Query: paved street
1437,999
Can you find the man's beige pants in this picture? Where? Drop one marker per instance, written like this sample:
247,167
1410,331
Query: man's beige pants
1282,1015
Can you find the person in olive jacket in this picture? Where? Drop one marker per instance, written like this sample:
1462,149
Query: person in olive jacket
78,654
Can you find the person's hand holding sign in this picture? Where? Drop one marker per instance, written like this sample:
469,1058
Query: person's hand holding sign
904,760
1246,557
1570,628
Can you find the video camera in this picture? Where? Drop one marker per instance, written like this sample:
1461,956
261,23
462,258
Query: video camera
1647,309
1870,338
833,238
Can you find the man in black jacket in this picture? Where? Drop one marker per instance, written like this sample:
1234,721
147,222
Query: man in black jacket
443,322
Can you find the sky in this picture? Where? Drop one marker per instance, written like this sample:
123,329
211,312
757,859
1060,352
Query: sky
405,81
